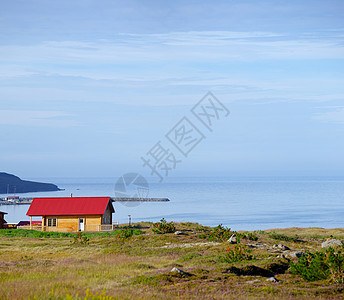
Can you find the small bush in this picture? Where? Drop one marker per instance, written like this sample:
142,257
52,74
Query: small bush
283,237
249,235
123,234
80,239
200,228
320,265
188,224
238,253
220,234
260,232
163,227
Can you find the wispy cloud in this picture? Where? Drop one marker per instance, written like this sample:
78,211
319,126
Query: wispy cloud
335,115
36,118
193,46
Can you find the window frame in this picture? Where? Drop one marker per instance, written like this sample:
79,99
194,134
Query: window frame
52,222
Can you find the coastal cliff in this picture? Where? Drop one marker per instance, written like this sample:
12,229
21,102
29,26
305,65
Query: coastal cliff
12,184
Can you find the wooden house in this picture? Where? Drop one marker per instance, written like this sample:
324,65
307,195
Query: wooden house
2,219
73,213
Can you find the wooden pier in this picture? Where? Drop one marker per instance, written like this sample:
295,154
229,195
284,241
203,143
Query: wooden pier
27,201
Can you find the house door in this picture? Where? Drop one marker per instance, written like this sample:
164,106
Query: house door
81,224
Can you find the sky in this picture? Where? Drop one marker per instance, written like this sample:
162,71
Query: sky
89,88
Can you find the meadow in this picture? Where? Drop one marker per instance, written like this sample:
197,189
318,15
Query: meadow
136,263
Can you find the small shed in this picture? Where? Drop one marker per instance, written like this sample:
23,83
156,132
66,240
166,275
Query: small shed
2,219
73,213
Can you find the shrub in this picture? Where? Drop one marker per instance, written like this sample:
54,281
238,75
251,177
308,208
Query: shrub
200,228
249,235
220,234
238,253
80,239
283,237
260,232
335,262
163,227
320,265
123,234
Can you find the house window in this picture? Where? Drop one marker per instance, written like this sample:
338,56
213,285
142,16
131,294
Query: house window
52,222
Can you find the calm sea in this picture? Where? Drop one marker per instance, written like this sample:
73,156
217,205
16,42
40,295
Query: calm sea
238,203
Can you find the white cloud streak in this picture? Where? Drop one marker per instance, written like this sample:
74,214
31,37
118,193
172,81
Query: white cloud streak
176,46
334,116
36,118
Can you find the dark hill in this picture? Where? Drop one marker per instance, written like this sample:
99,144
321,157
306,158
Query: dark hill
13,184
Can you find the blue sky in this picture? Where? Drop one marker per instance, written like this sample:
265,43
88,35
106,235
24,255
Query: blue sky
88,87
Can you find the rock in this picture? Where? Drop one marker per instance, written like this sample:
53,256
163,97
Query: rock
283,256
331,243
232,239
272,279
178,232
180,272
281,247
295,254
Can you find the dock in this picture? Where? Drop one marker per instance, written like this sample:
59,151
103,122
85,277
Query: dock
122,199
27,200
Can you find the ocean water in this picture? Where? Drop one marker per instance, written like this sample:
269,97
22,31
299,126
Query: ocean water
238,203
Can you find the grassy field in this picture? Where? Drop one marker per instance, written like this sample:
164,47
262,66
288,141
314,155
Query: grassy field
136,264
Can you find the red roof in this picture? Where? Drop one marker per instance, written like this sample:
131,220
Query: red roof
69,206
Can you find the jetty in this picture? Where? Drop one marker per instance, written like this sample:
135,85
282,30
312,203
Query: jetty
28,200
123,199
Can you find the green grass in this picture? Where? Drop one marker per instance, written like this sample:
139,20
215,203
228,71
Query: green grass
50,234
33,233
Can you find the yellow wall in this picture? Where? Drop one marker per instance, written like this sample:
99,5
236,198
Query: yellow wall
71,223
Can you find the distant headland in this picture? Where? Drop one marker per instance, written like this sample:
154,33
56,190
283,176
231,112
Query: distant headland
11,184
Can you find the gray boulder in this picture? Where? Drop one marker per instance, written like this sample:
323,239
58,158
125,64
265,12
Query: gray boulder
233,239
178,232
296,254
272,279
281,247
180,272
331,243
